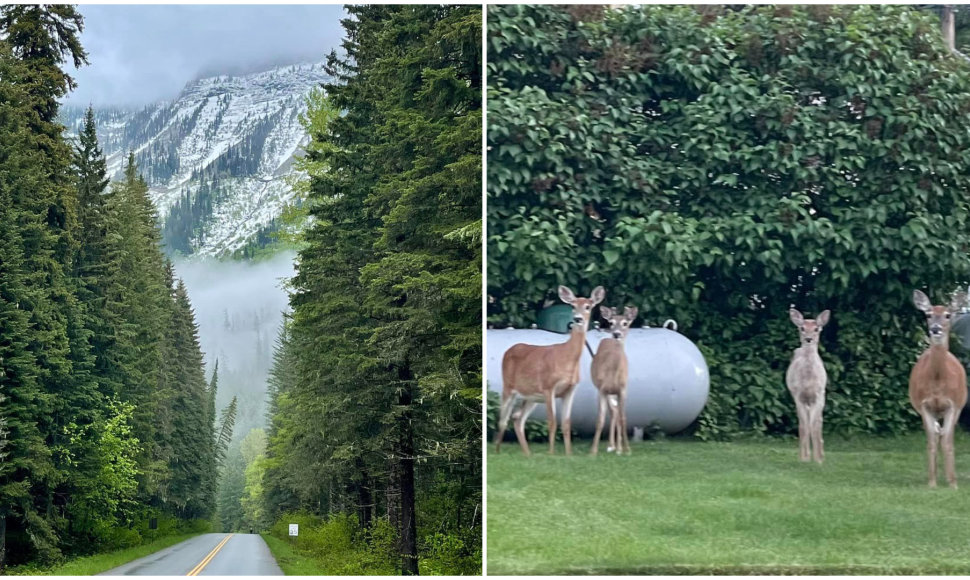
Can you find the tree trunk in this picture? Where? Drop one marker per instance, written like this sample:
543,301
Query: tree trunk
947,24
408,526
364,501
3,543
393,496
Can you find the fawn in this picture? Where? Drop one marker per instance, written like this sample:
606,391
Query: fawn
609,371
806,380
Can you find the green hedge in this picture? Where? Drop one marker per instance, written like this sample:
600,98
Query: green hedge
718,166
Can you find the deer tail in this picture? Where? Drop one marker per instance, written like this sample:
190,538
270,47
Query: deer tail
614,401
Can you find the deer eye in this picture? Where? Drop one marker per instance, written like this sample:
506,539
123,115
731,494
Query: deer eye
947,315
802,328
625,323
586,307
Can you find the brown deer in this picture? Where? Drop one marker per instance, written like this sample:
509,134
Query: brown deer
609,372
938,384
543,373
806,379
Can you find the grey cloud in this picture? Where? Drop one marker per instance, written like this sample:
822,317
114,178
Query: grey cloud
144,53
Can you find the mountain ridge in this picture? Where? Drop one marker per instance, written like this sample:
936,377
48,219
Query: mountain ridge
218,157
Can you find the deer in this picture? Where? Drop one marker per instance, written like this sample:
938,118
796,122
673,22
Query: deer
938,384
545,373
609,372
806,379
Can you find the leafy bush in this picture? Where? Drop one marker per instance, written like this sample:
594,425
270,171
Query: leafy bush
448,554
336,544
340,548
719,166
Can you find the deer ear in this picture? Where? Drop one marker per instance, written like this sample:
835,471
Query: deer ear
958,301
823,318
605,312
566,295
796,317
630,312
598,295
921,301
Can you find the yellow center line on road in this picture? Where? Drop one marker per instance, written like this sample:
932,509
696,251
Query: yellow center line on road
205,561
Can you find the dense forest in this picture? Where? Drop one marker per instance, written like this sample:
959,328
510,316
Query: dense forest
108,420
376,388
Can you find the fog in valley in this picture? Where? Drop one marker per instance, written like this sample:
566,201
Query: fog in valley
239,308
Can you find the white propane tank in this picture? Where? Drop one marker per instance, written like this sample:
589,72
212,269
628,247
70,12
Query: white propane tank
668,379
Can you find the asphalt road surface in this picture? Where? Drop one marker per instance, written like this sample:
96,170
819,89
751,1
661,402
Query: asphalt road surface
207,555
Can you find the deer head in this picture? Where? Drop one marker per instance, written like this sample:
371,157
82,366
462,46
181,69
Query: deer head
938,317
809,330
582,307
619,324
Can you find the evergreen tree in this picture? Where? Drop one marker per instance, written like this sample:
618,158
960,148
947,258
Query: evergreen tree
227,422
231,489
42,201
191,457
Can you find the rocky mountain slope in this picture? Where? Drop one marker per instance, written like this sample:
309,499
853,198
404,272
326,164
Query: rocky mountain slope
217,157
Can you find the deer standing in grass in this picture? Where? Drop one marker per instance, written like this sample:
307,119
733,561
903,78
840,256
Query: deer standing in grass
543,373
806,379
938,384
609,373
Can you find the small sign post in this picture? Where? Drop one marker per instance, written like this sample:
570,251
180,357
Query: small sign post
294,529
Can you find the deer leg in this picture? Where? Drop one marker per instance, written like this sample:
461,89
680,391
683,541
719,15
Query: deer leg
624,438
527,409
551,418
567,420
821,440
505,412
949,424
600,417
932,438
815,430
803,438
611,408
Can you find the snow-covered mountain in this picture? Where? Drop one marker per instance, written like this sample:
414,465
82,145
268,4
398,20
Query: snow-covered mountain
217,157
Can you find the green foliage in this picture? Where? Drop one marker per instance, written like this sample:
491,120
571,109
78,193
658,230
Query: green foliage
338,545
720,166
451,555
106,503
254,454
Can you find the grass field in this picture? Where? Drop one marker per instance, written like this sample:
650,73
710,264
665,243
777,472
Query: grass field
90,565
750,507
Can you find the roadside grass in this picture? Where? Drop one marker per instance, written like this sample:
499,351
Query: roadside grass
291,560
97,563
743,507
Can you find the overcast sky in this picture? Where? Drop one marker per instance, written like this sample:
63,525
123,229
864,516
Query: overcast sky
141,54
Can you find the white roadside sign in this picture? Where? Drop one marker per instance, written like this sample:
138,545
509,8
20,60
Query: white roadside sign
294,529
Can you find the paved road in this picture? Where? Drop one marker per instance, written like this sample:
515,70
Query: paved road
207,555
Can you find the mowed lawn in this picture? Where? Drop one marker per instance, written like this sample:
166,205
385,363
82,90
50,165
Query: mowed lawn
688,507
